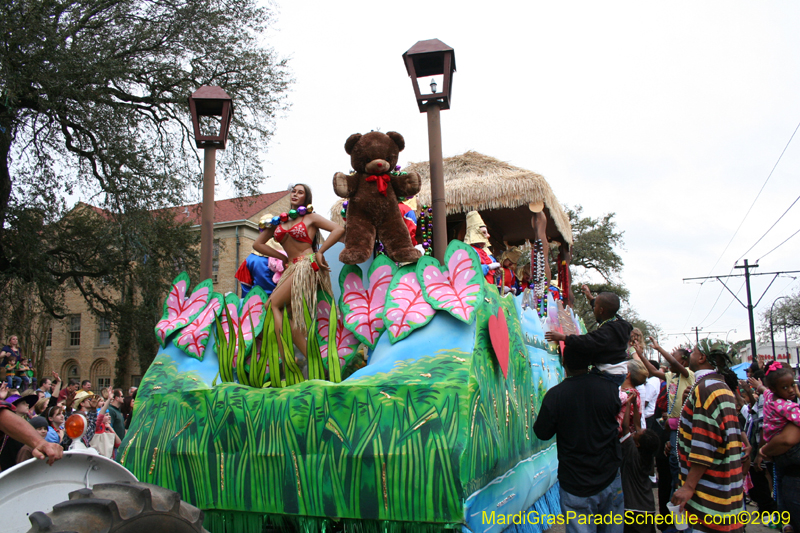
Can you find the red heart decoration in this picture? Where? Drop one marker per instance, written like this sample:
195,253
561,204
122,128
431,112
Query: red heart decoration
498,333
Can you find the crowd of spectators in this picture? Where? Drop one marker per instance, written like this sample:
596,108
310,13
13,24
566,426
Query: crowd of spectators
626,424
32,420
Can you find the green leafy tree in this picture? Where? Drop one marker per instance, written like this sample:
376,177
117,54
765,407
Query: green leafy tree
122,265
93,98
596,263
786,313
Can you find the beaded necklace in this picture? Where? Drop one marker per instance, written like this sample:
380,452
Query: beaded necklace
604,322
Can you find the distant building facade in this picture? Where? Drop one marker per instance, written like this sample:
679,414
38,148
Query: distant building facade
83,346
784,352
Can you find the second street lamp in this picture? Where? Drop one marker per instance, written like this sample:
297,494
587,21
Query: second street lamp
428,59
212,110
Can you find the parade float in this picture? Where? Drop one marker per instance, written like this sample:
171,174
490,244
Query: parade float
414,412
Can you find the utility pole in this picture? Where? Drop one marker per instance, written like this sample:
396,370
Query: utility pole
697,334
749,305
747,268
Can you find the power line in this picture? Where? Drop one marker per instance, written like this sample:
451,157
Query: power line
726,309
756,198
770,229
781,244
749,305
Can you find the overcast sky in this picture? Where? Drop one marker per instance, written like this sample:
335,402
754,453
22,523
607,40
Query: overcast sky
669,114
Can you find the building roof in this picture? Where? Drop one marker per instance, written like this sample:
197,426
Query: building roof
228,210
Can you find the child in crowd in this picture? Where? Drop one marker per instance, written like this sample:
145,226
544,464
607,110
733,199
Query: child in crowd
55,419
781,408
25,373
629,396
639,447
40,425
14,382
604,348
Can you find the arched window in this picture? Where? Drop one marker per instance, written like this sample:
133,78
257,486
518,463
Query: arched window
100,375
71,371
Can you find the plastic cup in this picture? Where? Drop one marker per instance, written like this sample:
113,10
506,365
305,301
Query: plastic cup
679,520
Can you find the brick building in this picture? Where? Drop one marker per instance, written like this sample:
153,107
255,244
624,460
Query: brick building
82,346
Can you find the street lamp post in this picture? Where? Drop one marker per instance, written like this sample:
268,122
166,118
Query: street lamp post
771,332
212,110
427,59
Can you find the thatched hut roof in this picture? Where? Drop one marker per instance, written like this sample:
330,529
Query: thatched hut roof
499,191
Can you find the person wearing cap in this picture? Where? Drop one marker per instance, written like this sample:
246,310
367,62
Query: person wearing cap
258,269
710,445
85,403
16,432
477,236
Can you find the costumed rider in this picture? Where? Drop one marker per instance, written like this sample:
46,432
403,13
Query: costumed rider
259,269
408,208
477,236
306,270
509,260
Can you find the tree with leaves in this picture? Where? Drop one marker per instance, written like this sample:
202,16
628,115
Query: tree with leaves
122,265
785,314
93,100
594,254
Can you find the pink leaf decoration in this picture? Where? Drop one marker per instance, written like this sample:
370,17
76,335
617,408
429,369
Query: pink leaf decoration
457,289
253,310
406,307
346,342
194,337
365,306
180,310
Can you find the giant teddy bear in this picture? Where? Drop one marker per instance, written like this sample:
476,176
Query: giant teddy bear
373,189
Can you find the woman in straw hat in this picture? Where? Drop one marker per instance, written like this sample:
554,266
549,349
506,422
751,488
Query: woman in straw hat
477,236
307,270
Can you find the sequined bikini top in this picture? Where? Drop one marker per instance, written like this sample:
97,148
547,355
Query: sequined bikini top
299,232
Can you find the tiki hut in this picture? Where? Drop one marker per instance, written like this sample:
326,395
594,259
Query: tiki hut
506,197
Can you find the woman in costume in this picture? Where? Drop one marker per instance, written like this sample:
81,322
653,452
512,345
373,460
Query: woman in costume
306,270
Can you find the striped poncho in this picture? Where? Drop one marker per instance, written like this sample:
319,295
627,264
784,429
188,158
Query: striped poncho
709,435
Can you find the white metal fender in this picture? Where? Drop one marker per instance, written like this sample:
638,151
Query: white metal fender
35,486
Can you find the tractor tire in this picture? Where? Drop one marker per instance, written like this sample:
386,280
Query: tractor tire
123,507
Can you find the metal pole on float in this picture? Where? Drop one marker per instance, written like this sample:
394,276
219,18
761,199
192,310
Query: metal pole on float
212,111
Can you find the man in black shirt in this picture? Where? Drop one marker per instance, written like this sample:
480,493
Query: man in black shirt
582,412
606,347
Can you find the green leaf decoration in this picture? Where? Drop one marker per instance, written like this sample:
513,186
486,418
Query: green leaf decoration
293,373
273,353
334,366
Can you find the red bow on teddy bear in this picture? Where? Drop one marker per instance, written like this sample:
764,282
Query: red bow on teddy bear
382,180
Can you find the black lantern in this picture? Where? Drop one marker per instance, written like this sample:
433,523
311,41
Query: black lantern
216,106
431,58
